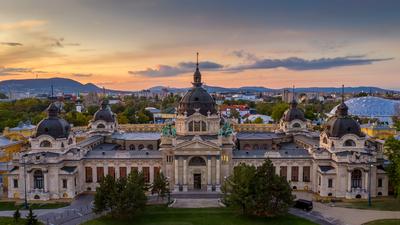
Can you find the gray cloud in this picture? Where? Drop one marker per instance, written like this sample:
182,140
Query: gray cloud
292,63
13,71
182,67
295,63
82,74
245,55
12,44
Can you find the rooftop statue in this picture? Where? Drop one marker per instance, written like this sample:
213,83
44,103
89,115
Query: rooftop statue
226,130
168,131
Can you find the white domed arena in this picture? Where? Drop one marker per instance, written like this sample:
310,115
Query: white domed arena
373,107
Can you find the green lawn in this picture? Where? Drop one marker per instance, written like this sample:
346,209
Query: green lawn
10,221
12,206
384,222
388,204
159,215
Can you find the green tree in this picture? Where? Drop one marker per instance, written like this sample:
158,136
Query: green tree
122,197
392,150
257,191
278,111
160,186
259,120
17,215
31,218
264,108
234,114
238,189
273,192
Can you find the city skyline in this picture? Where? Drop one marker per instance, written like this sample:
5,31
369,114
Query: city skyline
131,45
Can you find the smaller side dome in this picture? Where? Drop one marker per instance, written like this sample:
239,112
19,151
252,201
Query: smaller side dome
293,113
53,125
104,113
341,123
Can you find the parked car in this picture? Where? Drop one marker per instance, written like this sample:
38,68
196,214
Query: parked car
303,204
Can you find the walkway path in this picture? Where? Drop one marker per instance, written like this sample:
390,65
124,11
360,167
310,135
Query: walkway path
343,216
196,203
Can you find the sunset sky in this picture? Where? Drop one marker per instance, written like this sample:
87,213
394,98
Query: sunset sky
137,44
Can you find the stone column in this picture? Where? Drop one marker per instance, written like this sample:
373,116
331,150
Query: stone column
289,173
349,181
218,173
176,171
185,186
366,181
94,174
46,183
209,185
300,173
151,168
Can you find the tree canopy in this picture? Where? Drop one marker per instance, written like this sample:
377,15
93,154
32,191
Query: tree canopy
392,150
258,191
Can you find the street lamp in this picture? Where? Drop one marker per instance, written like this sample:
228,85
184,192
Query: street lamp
26,198
369,177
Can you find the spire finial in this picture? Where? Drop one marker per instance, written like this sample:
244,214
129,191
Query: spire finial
197,60
342,93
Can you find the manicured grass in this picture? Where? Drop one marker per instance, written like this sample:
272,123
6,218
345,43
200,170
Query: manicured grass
388,204
12,206
10,221
384,222
160,215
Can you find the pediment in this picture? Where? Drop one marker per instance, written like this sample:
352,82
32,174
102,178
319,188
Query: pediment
197,145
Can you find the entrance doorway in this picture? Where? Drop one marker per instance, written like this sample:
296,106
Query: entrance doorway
197,181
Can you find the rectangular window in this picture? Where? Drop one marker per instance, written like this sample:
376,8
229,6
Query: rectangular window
134,169
122,172
89,174
111,171
380,182
15,182
146,174
306,174
295,173
283,171
100,174
170,158
65,183
156,171
330,183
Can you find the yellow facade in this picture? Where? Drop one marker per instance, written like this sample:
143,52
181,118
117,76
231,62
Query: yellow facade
379,131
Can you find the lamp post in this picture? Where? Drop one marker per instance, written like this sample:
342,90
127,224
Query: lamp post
26,198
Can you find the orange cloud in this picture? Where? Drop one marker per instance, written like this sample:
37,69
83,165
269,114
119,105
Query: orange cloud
24,24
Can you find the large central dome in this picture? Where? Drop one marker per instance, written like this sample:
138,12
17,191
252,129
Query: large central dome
197,98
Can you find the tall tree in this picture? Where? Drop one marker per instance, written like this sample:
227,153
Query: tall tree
392,150
160,186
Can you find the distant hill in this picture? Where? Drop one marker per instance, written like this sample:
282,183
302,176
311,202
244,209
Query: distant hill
251,89
44,86
69,86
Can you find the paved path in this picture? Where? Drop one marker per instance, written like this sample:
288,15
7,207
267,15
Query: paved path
344,216
196,203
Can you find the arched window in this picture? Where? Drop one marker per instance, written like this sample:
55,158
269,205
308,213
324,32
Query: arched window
296,125
70,141
132,147
197,126
247,147
45,144
38,179
191,126
203,126
356,179
325,140
140,147
197,161
101,126
150,147
349,143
